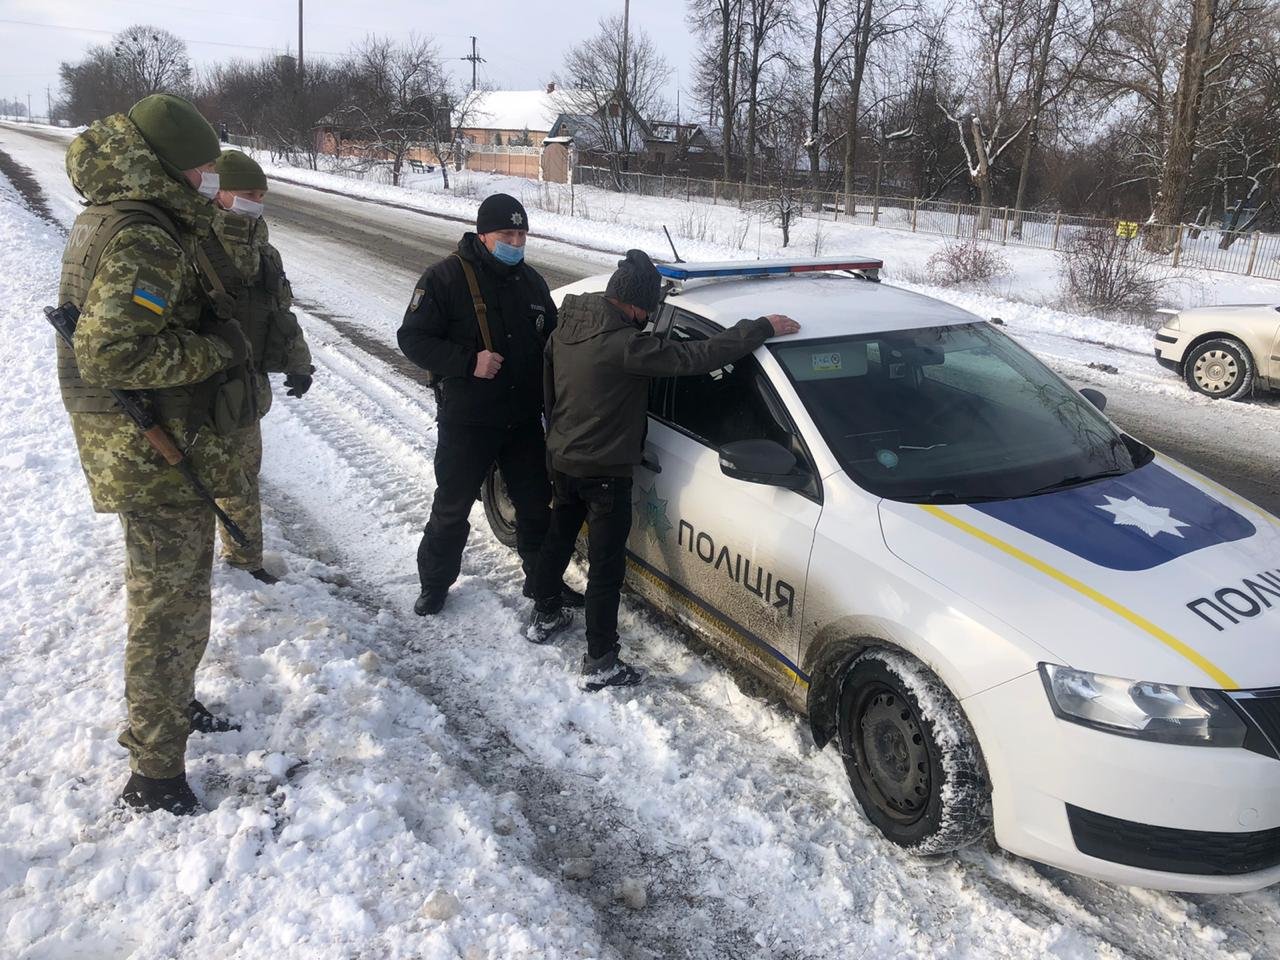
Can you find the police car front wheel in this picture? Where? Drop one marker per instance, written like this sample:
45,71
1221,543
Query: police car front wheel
911,756
498,508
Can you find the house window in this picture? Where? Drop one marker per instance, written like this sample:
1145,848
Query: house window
497,139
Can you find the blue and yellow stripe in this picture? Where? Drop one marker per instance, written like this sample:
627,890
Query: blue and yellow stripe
149,301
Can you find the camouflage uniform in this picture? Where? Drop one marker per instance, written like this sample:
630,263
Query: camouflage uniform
264,300
142,316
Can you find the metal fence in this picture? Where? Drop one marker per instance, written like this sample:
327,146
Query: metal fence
1250,253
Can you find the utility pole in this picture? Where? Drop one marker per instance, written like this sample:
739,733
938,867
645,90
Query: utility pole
48,105
626,44
300,67
475,58
29,120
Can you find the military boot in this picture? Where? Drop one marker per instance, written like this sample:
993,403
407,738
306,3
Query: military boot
204,721
171,794
262,576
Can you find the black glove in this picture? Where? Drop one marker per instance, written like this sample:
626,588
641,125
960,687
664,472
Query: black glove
297,383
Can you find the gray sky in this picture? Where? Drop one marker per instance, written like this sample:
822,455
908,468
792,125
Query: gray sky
522,42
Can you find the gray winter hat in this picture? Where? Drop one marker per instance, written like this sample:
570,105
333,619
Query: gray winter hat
636,281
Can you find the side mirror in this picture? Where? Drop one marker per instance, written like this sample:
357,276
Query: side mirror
761,461
1096,397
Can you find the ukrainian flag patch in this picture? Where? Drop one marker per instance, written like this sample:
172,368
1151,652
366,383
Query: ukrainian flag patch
149,299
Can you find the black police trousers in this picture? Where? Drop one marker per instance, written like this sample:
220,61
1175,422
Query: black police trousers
464,454
605,504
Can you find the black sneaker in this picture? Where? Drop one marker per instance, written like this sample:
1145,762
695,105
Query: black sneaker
569,597
202,721
608,671
262,576
170,794
544,625
430,602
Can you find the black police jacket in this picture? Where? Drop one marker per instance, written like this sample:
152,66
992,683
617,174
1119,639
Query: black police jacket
440,334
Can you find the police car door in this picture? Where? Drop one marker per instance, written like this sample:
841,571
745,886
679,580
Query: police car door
732,556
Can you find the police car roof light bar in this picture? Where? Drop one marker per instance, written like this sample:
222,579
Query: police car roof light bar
759,268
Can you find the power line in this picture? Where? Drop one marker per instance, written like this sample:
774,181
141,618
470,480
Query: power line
202,43
475,59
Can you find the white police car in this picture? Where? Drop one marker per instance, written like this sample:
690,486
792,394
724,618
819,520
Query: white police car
1007,612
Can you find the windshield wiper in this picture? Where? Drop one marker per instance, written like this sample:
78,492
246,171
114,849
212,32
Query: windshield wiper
949,496
1077,481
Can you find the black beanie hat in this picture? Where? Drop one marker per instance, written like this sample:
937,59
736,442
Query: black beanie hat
501,211
636,281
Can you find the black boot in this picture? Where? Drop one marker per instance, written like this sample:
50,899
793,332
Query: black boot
568,596
608,671
430,601
171,794
262,576
202,721
544,625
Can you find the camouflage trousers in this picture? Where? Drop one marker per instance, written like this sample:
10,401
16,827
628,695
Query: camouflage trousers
246,511
168,560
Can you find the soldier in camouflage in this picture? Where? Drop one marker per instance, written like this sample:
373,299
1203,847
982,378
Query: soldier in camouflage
148,322
251,267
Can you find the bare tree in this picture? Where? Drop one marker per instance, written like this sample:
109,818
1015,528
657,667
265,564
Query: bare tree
139,61
613,101
721,22
397,93
990,124
767,22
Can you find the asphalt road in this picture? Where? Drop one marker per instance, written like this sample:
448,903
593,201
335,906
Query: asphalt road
1234,444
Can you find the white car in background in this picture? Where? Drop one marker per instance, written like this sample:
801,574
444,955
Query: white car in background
1007,613
1225,352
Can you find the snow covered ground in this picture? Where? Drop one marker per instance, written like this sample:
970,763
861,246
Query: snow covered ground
410,789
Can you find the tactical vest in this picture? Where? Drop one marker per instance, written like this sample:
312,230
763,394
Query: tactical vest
257,300
226,400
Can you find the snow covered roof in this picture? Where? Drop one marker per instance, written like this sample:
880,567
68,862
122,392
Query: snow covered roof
532,110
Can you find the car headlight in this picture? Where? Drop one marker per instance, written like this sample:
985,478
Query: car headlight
1149,711
1171,321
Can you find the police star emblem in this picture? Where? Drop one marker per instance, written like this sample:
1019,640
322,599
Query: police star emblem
517,218
651,514
1149,519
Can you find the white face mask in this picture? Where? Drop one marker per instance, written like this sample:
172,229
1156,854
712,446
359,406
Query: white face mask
247,208
210,184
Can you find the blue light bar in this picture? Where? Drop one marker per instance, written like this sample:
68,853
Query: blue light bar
760,268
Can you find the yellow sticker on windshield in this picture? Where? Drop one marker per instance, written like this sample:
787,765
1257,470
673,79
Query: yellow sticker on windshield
826,362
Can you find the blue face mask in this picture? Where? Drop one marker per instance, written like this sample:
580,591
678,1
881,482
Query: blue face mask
507,253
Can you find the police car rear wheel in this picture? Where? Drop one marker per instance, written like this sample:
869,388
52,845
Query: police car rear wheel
498,509
911,756
1221,368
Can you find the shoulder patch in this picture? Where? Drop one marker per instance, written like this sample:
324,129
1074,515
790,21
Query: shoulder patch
151,293
418,294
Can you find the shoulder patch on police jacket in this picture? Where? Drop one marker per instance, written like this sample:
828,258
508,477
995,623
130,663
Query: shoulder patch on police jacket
418,294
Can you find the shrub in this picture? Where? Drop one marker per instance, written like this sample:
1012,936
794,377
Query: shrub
1110,272
965,261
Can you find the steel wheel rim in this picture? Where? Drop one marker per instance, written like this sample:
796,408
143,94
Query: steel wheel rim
893,761
1216,371
502,500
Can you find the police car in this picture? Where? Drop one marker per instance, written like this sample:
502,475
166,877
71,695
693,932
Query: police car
1008,614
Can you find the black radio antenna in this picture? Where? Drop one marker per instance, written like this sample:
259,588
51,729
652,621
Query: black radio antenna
673,244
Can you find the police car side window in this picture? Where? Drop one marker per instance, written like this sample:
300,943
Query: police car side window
725,405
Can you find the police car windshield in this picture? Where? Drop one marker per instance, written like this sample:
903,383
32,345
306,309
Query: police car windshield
951,415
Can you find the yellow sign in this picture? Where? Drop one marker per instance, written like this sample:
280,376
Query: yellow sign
1126,229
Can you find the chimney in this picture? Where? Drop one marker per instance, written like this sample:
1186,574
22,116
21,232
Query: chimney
551,87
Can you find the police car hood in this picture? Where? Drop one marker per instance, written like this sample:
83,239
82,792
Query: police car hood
111,161
1157,575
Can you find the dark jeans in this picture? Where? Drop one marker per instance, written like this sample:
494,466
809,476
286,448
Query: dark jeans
605,504
464,454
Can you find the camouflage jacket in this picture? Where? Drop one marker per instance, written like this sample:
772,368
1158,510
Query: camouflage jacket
264,300
139,329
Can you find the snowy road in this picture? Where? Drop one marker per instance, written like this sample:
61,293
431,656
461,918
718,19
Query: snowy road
459,757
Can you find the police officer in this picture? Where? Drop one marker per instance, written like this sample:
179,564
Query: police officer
252,270
477,322
146,324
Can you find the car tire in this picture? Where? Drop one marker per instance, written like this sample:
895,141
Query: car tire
498,509
912,757
1221,368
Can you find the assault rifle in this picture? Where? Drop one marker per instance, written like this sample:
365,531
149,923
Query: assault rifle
136,406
